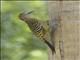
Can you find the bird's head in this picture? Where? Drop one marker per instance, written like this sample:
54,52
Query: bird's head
25,16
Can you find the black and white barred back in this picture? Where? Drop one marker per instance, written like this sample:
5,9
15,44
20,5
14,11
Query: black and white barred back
36,27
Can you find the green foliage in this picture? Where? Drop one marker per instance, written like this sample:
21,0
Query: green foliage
17,41
23,0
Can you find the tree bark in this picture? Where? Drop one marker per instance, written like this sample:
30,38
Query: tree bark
67,36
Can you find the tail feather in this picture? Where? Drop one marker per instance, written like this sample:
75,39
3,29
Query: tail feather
50,46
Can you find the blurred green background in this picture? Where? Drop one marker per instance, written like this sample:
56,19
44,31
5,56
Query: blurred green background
17,41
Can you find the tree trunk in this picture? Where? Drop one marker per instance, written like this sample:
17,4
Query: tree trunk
67,36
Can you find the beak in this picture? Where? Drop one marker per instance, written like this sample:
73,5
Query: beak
30,12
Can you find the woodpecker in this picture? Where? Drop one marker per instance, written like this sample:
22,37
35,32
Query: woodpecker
39,29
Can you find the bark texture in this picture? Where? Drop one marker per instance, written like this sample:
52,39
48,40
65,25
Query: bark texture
67,36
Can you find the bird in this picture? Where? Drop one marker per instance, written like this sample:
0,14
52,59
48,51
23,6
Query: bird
38,28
